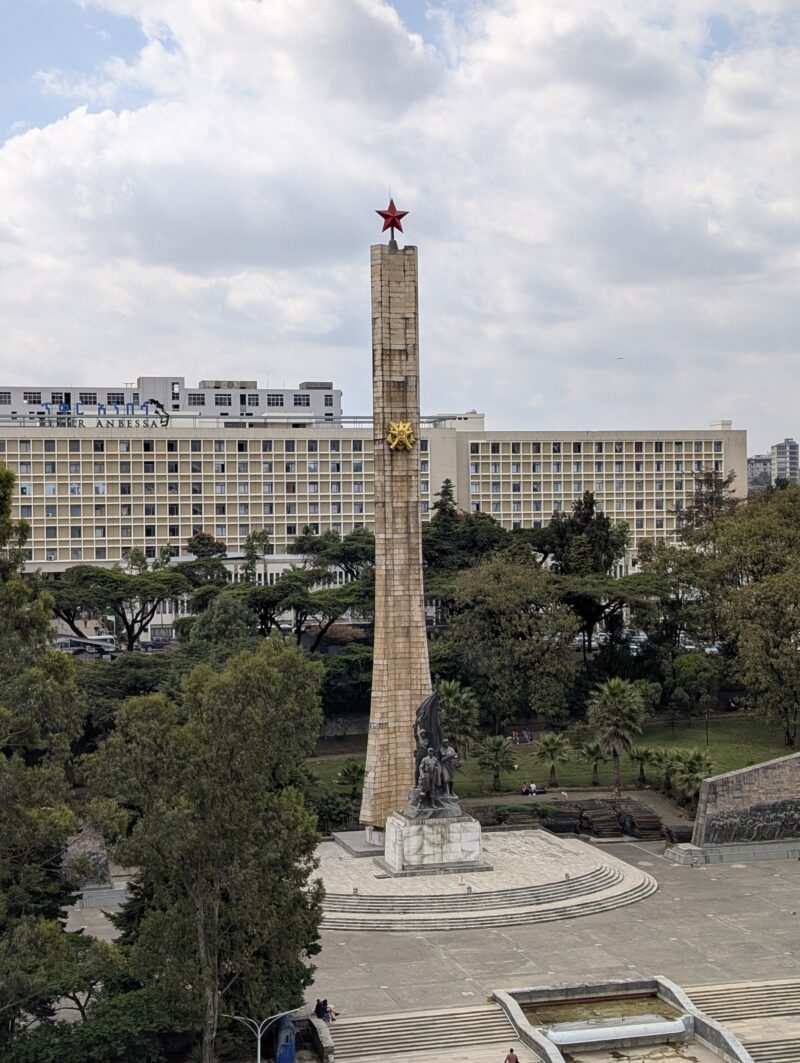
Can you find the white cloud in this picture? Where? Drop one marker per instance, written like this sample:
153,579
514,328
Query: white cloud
587,182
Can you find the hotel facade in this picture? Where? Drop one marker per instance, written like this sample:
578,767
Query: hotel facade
100,471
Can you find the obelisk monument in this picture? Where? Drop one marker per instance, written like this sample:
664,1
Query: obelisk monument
401,673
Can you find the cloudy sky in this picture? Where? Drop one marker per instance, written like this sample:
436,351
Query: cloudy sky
606,198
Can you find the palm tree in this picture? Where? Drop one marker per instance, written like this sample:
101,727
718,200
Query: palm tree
592,753
641,755
664,760
616,714
691,767
495,754
552,748
459,714
350,777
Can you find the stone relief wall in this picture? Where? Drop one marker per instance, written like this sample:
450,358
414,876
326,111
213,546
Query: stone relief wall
756,804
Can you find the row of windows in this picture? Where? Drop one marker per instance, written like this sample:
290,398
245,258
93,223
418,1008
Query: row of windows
494,468
148,446
195,398
576,486
253,468
221,509
199,487
598,447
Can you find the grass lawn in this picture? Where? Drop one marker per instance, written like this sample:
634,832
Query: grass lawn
734,742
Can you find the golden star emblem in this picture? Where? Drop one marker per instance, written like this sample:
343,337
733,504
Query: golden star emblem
401,435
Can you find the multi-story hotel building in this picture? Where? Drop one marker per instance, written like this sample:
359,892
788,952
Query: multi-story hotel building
102,470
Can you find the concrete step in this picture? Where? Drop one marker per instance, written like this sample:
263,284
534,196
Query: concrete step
412,1032
640,886
594,881
729,1003
781,1051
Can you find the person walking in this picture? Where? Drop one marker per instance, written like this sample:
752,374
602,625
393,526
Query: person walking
512,1056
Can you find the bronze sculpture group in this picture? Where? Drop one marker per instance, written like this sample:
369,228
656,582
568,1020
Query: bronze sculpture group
435,763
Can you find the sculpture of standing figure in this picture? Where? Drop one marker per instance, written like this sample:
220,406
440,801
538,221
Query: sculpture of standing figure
420,751
448,759
430,778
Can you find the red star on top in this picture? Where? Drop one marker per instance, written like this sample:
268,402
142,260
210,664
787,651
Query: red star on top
391,217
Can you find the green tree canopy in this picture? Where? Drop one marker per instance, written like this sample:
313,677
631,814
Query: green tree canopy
616,715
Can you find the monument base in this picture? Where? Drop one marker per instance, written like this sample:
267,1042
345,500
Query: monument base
432,846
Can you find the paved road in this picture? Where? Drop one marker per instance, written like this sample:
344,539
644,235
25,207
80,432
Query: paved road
705,925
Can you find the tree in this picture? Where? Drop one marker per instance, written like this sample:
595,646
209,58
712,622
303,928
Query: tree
511,636
641,755
553,749
691,767
764,618
712,498
203,544
586,540
495,754
133,598
220,832
255,548
663,760
350,777
697,675
452,541
616,714
459,710
227,624
592,753
347,684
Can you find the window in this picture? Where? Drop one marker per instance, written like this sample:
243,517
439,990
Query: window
424,486
76,553
536,448
556,448
679,485
172,487
536,466
515,467
33,397
659,503
26,512
173,509
252,399
75,532
536,485
197,488
50,490
618,448
619,466
51,533
313,466
495,507
274,399
219,489
242,466
358,508
196,446
74,446
149,467
99,531
329,400
288,446
717,446
50,512
358,446
577,466
358,487
115,398
659,523
197,509
599,466
638,466
313,487
291,507
659,466
302,400
537,506
576,448
474,448
266,466
74,489
88,398
336,487
269,509
494,468
515,448
74,511
172,467
99,489
577,487
267,488
150,509
599,487
639,523
516,507
678,466
619,485
148,446
638,485
556,466
291,529
659,485
313,446
495,448
474,467
558,507
658,446
717,466
598,448
557,486
49,446
222,399
336,507
619,505
24,467
638,448
288,466
5,398
125,510
639,503
698,446
124,489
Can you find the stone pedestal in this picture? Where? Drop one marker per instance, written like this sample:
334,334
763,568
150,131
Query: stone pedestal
432,846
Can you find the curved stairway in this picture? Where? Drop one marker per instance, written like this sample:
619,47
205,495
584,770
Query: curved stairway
600,890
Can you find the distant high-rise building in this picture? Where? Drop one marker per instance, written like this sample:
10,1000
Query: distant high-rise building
759,473
785,462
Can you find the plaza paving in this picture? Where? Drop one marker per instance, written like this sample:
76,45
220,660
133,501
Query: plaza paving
721,923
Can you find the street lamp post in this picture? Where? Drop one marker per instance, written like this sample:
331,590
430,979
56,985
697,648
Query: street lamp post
259,1028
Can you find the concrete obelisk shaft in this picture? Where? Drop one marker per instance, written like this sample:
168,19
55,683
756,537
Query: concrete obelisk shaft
401,673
